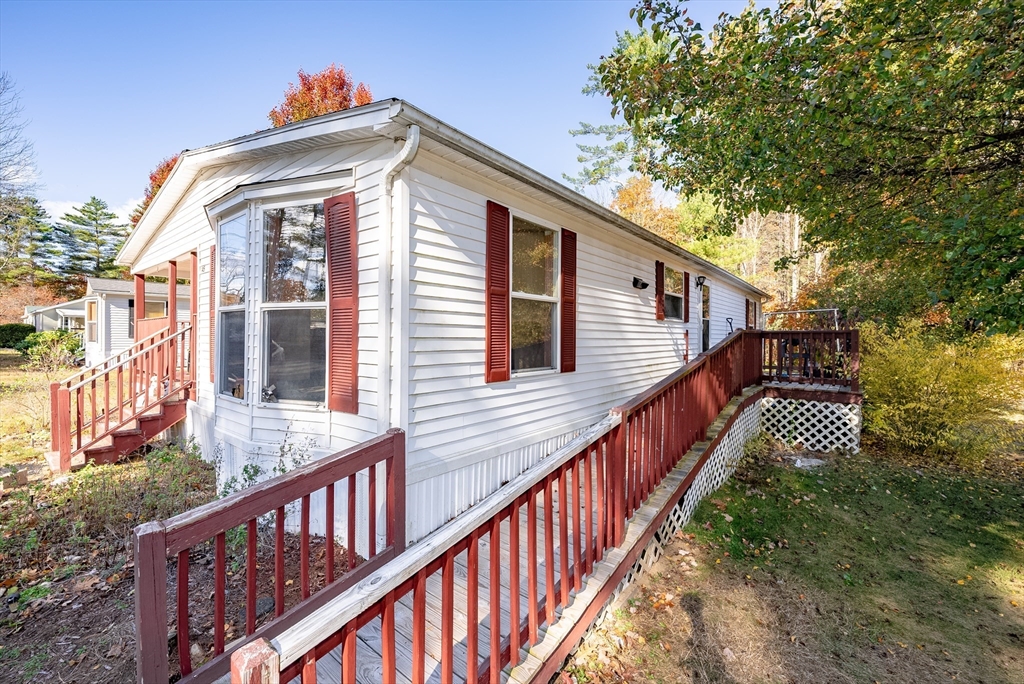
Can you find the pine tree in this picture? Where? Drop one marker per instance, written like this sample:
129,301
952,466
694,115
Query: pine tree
29,252
91,239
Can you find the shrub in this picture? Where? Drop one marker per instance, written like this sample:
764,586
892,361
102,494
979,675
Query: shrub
13,333
938,398
51,350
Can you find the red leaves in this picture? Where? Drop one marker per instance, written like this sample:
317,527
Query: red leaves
157,178
329,90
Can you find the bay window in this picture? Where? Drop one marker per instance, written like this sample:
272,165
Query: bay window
534,297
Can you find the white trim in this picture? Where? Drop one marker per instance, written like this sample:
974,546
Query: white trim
282,193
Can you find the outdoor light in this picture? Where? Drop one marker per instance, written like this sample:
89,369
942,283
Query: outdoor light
700,282
640,284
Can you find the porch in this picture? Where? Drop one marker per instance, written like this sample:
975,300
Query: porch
113,407
504,591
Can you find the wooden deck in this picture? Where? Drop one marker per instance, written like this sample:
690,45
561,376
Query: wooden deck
369,638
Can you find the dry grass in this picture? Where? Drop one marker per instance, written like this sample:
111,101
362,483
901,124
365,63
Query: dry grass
24,409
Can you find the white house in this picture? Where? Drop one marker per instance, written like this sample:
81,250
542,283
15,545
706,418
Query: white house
63,316
377,268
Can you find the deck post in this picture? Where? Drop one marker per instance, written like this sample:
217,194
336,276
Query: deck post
616,470
140,303
256,663
855,360
150,541
62,427
396,492
193,306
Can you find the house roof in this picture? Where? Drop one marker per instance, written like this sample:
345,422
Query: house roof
389,119
32,310
110,286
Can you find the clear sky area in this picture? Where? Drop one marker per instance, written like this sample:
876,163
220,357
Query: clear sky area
111,88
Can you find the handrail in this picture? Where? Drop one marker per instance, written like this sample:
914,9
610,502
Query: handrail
114,357
133,355
178,537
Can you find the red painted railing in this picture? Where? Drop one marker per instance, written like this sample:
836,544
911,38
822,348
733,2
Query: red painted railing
593,485
817,357
262,510
96,402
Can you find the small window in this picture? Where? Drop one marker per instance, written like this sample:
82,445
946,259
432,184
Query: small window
90,321
673,293
534,299
296,355
156,309
231,327
295,254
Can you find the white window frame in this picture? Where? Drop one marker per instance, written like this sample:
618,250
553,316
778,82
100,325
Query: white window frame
678,295
556,299
221,309
263,306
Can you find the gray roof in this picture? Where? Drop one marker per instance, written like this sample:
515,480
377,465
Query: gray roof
385,118
110,286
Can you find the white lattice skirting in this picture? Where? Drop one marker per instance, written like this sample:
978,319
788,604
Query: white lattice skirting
816,425
716,470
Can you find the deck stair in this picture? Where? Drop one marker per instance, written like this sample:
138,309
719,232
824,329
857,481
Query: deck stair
108,410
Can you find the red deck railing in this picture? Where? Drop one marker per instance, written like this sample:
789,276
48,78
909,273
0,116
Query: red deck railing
818,357
96,402
249,513
594,485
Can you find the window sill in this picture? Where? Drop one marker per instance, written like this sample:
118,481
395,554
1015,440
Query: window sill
533,373
303,406
231,399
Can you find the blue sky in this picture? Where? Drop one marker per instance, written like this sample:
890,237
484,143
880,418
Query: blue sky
109,89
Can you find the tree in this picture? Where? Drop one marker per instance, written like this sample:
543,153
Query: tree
330,90
157,178
17,158
91,239
895,130
28,250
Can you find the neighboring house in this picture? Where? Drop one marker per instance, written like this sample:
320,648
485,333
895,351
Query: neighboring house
105,316
62,316
376,268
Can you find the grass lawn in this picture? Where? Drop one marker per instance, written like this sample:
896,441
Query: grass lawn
862,570
24,409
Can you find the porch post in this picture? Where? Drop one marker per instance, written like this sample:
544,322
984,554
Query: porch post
140,302
193,318
172,296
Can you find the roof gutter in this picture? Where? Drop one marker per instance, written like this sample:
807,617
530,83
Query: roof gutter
471,147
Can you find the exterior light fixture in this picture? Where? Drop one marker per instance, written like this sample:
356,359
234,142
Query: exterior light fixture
640,284
700,282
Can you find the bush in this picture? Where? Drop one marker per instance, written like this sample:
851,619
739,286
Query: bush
13,333
51,350
938,398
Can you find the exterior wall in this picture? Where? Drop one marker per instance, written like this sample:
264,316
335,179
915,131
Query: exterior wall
466,437
237,432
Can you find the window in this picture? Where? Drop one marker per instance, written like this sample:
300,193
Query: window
294,304
674,283
131,318
156,309
534,299
90,321
232,238
705,317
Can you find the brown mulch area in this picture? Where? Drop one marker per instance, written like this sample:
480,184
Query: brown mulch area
83,629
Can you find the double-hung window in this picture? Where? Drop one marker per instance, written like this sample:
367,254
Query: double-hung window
90,320
294,304
674,300
534,295
231,327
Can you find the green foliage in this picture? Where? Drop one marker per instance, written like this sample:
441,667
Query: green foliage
893,129
51,350
90,239
27,242
938,398
13,333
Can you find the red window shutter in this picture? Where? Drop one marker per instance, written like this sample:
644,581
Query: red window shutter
496,284
659,290
213,311
749,325
686,297
567,334
343,304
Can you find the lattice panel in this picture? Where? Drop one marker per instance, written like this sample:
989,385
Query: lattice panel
716,470
817,425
